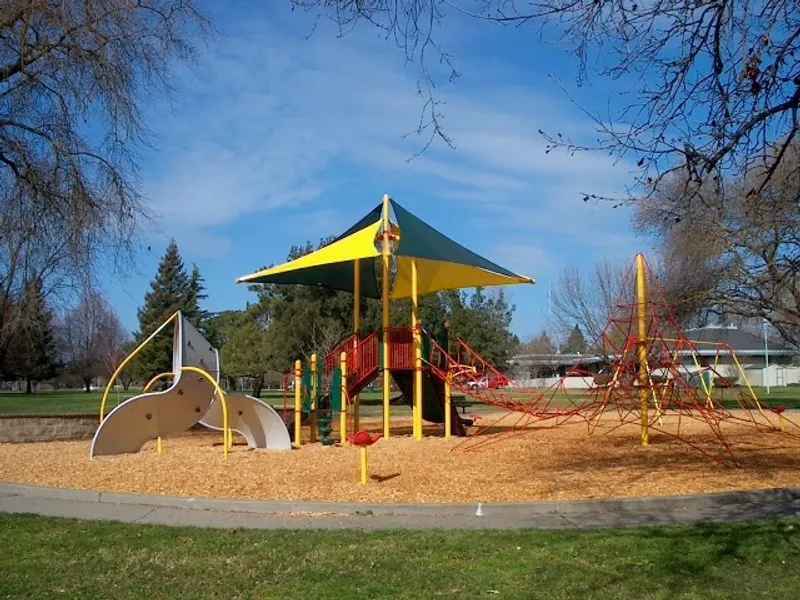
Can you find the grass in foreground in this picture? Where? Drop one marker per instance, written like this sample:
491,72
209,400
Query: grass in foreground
50,558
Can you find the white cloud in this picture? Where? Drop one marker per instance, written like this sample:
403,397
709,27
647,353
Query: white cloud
270,120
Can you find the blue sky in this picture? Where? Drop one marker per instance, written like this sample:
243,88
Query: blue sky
275,138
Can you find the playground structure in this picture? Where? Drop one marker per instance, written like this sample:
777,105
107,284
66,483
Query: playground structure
194,397
424,261
648,385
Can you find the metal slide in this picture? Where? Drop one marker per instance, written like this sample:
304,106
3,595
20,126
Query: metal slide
189,400
254,419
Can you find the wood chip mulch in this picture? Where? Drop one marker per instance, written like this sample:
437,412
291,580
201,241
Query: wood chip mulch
553,464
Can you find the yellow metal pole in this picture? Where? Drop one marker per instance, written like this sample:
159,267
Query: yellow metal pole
363,450
298,401
227,434
356,326
145,389
314,393
641,318
343,412
387,378
448,401
128,359
417,337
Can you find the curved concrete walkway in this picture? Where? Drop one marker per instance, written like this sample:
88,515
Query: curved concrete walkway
252,514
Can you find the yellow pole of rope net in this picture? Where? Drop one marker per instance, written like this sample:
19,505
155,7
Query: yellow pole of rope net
643,375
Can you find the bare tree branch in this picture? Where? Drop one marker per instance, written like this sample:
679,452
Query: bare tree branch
74,79
716,83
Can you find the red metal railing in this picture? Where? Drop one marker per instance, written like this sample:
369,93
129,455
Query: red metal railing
362,360
332,358
401,348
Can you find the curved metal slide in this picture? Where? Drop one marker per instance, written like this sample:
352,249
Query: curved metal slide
157,414
191,399
254,419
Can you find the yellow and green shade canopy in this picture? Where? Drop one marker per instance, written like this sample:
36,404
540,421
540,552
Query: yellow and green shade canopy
441,262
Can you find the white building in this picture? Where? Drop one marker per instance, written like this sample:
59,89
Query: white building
714,345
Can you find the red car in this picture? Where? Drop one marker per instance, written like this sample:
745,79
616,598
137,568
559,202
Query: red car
491,382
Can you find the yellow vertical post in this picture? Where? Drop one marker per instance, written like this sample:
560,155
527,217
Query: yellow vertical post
448,399
298,401
417,337
641,319
356,326
363,451
343,412
314,393
387,378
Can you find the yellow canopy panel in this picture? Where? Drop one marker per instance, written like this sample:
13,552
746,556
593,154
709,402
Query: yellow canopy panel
435,275
360,244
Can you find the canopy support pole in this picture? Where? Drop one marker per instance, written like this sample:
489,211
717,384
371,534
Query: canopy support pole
356,326
387,377
416,329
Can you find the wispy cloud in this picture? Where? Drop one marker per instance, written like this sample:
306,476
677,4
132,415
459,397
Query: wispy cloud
271,120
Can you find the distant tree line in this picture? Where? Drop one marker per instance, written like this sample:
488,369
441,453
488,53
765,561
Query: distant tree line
80,344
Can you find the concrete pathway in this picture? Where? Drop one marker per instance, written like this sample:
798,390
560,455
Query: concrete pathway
247,514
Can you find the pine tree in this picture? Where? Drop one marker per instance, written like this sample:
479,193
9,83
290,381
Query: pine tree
194,312
172,289
33,349
576,343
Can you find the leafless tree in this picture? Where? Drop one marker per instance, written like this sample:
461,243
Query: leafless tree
113,344
537,344
743,249
587,300
88,332
717,82
74,78
324,337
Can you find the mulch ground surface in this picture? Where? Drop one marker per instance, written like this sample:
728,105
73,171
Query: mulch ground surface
549,464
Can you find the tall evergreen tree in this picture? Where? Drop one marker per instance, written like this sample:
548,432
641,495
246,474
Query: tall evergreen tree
172,289
33,352
197,293
484,322
576,343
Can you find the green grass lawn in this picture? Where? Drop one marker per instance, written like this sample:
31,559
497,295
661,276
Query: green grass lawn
47,558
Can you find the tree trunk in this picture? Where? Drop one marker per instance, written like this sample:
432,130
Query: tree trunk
258,385
28,386
126,384
88,385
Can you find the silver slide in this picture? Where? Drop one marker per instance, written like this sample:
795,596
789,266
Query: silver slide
189,400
